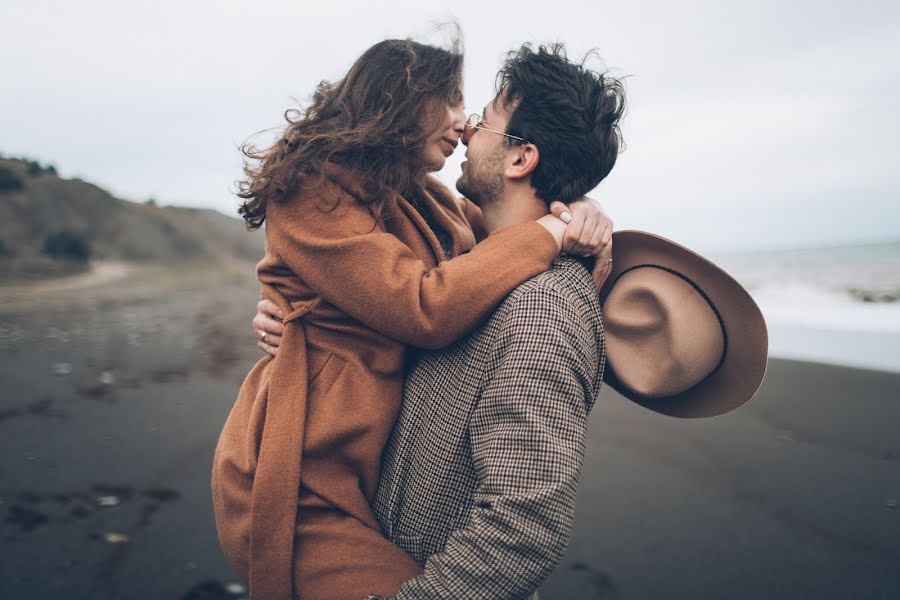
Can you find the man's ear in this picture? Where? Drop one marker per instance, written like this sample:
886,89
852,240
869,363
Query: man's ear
524,160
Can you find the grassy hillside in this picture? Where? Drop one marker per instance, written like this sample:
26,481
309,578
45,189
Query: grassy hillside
51,225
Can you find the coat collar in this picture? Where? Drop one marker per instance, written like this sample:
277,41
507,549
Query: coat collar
351,180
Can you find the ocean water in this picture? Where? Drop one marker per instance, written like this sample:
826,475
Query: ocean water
837,305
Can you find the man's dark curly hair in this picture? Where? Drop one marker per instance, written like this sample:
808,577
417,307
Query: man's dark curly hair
570,112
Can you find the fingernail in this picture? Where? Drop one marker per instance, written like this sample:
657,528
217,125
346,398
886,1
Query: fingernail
566,217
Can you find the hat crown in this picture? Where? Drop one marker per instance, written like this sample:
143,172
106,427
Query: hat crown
663,336
700,331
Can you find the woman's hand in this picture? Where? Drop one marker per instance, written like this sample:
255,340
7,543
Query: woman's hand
589,233
267,326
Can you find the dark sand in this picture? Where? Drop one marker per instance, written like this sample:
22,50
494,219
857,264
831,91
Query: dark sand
114,392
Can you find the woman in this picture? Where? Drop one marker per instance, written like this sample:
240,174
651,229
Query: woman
356,248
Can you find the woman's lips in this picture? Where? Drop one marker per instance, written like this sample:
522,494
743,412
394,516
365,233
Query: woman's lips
448,147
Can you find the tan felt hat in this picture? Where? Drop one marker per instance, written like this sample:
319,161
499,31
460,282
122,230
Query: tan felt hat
683,338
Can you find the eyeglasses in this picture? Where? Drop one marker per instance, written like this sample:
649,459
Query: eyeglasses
474,123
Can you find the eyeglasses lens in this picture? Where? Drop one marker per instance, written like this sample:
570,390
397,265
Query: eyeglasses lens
472,124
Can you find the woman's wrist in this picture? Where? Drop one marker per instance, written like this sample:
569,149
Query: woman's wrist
556,228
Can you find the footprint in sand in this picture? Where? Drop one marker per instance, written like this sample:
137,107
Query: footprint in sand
601,583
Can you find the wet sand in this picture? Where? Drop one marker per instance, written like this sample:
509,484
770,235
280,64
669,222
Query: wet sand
114,392
113,398
795,495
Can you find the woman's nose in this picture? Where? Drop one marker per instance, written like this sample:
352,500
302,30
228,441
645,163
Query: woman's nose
459,119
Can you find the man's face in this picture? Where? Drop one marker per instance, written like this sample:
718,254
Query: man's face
482,179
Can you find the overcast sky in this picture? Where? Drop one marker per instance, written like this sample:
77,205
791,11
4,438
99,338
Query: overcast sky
751,124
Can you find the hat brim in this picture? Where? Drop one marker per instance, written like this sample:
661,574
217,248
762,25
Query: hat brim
741,373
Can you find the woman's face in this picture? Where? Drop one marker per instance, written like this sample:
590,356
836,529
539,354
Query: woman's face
451,120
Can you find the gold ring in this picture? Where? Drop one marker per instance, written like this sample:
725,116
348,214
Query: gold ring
262,336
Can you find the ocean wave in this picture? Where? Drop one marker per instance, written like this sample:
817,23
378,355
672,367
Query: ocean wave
876,295
822,308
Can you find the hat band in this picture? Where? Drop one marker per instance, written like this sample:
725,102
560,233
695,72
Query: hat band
705,297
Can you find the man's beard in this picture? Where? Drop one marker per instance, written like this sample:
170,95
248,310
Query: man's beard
482,186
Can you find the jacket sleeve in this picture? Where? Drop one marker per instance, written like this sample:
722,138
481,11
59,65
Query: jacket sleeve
346,257
527,436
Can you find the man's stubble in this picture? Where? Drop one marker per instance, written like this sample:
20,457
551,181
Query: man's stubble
484,184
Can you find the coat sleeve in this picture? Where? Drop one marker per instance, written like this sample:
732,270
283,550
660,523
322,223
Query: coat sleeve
343,254
527,434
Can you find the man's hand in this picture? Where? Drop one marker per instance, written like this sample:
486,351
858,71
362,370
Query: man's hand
589,233
267,326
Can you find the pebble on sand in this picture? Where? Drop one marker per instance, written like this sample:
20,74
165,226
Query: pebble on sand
785,435
111,537
62,369
235,588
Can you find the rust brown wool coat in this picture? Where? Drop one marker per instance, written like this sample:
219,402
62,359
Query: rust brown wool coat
297,462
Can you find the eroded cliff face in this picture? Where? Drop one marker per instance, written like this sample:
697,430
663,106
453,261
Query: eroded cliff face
53,226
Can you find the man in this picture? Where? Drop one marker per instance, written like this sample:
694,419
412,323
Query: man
479,477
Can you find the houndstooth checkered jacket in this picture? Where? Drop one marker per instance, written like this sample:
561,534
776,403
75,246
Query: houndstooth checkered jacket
479,477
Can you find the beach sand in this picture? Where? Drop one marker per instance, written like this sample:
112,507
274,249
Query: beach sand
115,390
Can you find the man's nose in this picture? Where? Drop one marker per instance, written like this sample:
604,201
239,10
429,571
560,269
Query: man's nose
466,134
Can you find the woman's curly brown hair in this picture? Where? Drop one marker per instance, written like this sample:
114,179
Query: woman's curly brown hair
372,120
